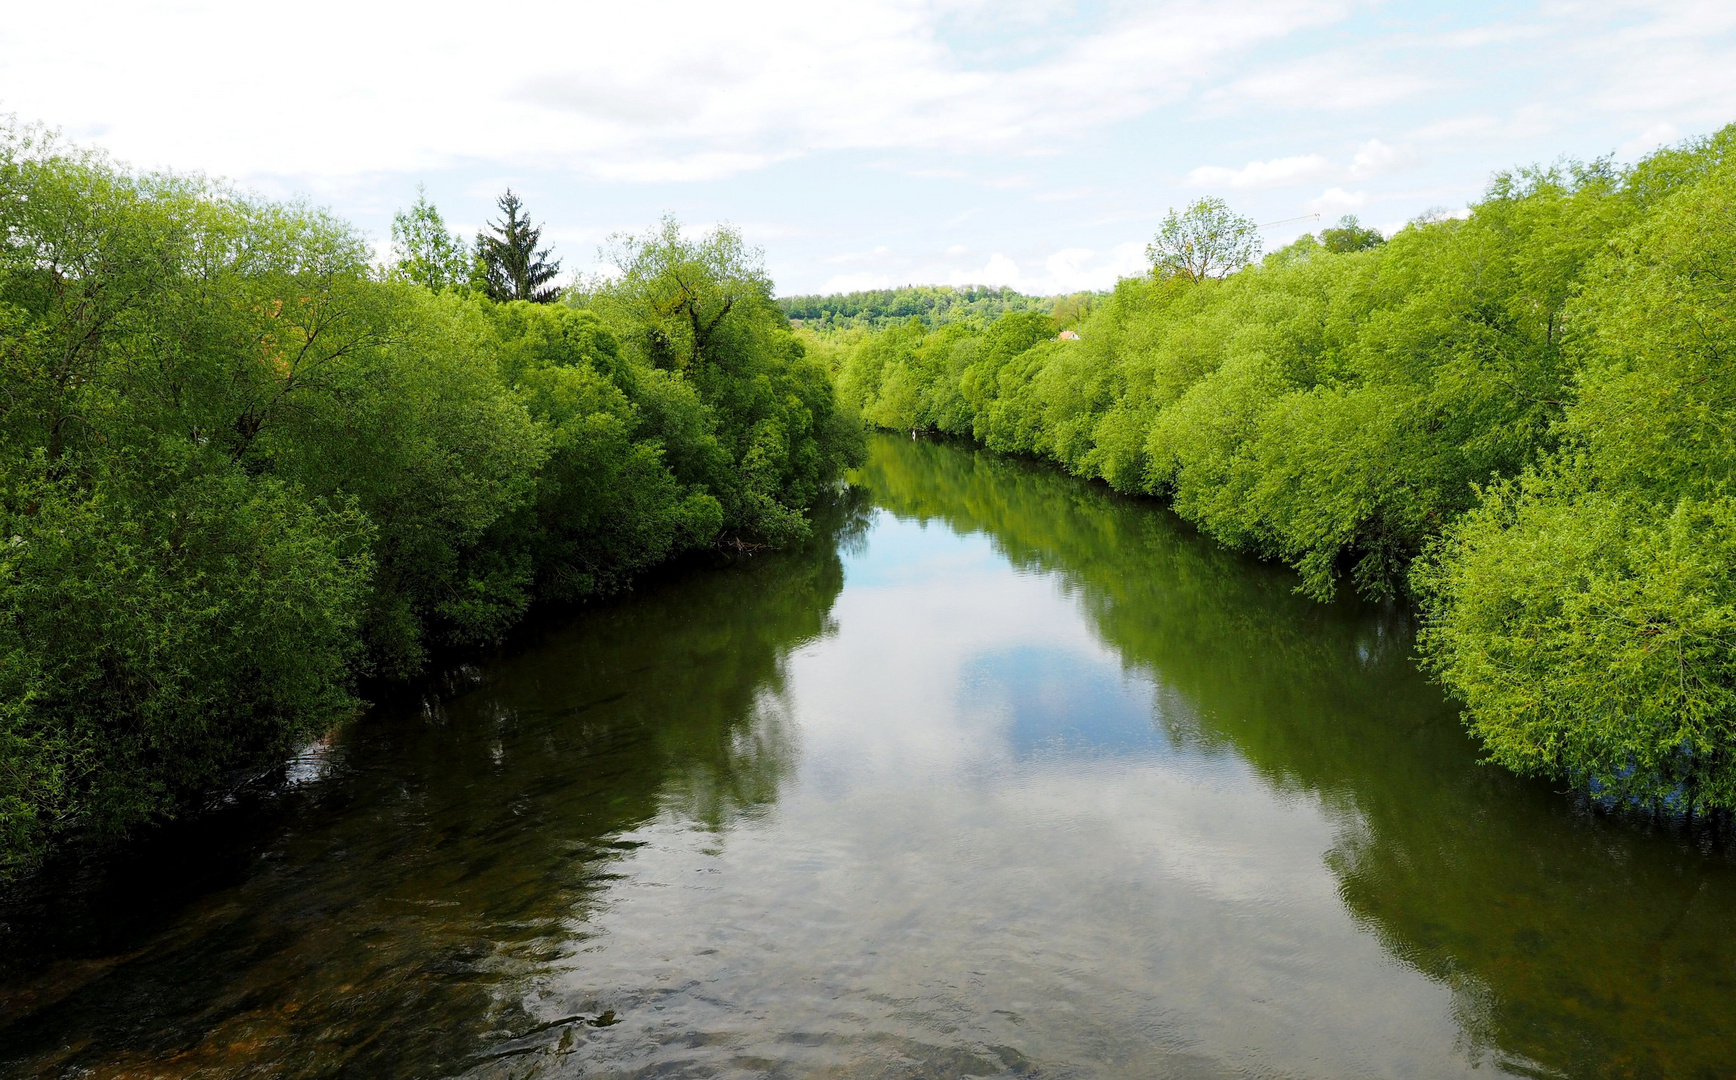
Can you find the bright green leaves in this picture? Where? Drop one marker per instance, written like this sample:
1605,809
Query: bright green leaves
1206,240
238,468
1592,637
1656,338
702,312
1542,396
1586,611
424,251
607,506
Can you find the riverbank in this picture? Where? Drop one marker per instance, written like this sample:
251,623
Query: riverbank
1446,415
243,467
1002,771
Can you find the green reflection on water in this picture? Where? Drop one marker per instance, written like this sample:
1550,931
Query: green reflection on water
459,843
452,886
1579,944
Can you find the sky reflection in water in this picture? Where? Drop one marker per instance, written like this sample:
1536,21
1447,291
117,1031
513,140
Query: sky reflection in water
1007,777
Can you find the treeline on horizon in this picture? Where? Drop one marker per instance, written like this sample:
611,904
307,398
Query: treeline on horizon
934,305
1522,421
241,466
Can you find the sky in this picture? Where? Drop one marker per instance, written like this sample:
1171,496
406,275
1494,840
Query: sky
873,143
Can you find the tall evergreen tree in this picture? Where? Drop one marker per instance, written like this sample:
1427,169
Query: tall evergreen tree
512,266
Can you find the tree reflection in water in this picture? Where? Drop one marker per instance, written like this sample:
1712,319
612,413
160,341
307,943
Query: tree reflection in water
485,878
376,923
1579,942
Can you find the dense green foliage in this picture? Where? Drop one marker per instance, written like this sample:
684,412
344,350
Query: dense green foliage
239,466
424,251
1586,608
1350,235
1531,398
755,421
509,264
934,305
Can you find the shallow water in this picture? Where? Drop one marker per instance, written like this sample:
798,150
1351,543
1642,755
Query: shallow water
1002,775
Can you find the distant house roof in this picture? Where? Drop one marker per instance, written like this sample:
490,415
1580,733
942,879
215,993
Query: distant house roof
1067,335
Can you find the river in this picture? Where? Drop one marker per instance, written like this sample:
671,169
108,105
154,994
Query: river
1001,775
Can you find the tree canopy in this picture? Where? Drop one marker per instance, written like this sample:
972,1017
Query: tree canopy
1518,419
424,251
1350,235
239,468
702,309
511,264
1206,240
934,305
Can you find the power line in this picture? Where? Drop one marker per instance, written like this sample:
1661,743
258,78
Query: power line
1291,220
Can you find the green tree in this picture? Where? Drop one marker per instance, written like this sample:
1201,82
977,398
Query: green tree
511,264
935,305
1350,235
1585,611
238,469
702,311
1207,240
1074,308
424,251
169,609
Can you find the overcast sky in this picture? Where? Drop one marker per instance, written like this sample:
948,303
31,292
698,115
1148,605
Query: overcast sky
866,143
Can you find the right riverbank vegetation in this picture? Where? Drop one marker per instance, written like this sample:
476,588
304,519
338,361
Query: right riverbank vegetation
243,467
1522,420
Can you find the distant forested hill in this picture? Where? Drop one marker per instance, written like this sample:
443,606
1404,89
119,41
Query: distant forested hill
935,305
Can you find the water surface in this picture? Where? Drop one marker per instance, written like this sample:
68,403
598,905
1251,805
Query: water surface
1001,776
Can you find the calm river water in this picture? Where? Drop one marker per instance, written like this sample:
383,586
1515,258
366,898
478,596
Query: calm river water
1001,776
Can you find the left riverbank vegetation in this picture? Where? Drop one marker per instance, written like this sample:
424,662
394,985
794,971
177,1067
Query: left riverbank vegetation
1522,419
241,466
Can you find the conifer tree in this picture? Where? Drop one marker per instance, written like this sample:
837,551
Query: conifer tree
511,265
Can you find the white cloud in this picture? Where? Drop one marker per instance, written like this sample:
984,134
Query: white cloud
1648,140
1326,82
1376,158
1072,269
878,254
1373,158
1528,123
909,128
1655,58
843,283
1494,34
999,270
707,91
1337,201
1457,127
1279,172
708,165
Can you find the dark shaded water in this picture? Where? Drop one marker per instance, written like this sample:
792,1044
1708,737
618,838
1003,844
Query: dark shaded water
1001,776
